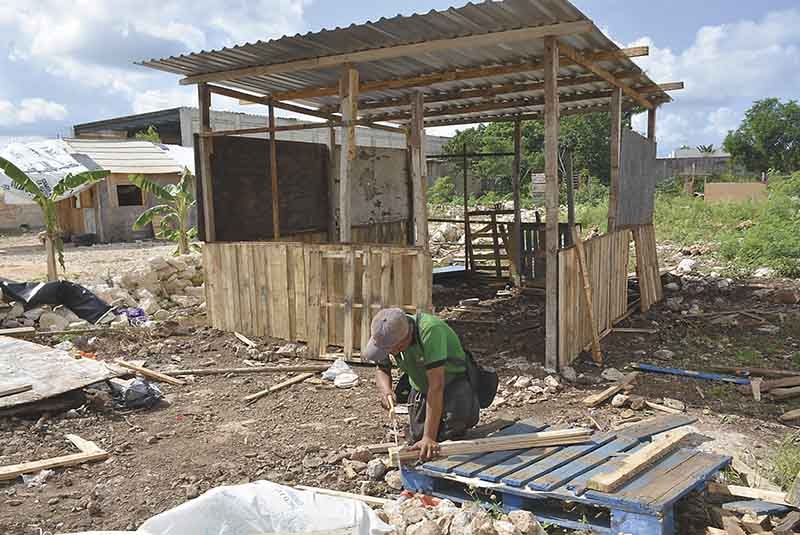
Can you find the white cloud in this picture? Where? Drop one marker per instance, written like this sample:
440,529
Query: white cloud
30,110
158,99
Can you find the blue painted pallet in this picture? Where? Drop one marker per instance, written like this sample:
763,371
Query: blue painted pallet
543,480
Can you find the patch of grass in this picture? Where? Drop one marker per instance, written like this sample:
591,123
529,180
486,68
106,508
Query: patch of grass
787,462
746,356
720,391
796,358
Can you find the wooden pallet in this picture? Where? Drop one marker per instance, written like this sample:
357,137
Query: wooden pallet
552,482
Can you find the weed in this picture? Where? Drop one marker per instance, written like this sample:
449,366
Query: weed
796,358
787,462
746,356
719,391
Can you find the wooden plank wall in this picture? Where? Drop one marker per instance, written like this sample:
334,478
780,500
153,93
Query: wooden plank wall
607,265
312,292
644,237
390,232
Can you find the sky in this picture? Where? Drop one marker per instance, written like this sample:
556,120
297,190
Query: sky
64,63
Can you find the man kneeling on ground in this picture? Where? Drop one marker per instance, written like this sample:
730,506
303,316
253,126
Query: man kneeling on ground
443,404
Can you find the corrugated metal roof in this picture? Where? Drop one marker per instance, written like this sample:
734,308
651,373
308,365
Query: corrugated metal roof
471,19
126,156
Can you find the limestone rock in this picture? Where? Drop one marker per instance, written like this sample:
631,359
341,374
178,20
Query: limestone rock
523,381
50,321
157,263
672,286
552,381
16,311
637,402
413,511
663,354
34,313
160,315
569,374
361,454
376,469
627,413
526,523
184,300
612,374
67,314
393,479
764,273
504,527
674,404
686,265
619,400
424,527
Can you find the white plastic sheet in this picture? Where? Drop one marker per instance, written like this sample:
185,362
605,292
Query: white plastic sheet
262,508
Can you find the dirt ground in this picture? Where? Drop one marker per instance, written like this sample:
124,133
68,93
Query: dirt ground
206,436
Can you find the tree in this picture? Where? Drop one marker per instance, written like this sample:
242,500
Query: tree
174,211
768,137
47,203
150,134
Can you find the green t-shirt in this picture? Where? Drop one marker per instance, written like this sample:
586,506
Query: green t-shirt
437,345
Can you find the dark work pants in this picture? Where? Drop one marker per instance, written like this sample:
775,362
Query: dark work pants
459,413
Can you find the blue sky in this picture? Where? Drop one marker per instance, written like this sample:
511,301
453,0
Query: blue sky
63,63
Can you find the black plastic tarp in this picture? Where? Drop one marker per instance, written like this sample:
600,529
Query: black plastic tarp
75,297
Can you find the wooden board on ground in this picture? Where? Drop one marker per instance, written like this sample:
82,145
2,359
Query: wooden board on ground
89,452
148,373
600,397
280,386
635,464
49,371
739,491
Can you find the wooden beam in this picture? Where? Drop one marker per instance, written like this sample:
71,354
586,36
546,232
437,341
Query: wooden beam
265,100
635,463
658,88
150,374
90,452
739,491
559,437
349,110
597,355
615,143
205,149
651,124
419,178
510,117
273,175
582,60
596,399
455,75
280,386
516,238
413,49
251,370
551,127
268,129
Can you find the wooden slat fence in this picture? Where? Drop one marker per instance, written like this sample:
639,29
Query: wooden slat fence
312,292
644,237
607,266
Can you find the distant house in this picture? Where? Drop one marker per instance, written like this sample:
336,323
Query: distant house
108,208
689,162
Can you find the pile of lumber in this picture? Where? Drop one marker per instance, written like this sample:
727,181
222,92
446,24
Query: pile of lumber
777,389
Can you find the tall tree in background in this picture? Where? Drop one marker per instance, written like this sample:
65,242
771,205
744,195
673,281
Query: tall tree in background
768,138
150,134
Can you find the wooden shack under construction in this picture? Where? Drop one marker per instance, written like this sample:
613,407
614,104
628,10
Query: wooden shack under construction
285,256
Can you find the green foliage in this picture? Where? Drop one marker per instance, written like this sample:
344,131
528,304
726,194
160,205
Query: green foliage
443,191
149,134
591,193
747,356
47,200
768,138
490,198
787,462
174,211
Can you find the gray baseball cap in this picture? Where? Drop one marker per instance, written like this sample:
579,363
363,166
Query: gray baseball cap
390,326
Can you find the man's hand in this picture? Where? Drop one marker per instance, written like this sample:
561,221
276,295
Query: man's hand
385,397
428,449
383,379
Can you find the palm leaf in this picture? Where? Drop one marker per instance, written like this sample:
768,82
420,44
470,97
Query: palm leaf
20,179
71,181
149,186
147,216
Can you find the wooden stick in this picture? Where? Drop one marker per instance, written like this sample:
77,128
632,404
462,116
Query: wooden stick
514,442
15,390
289,382
662,408
600,397
597,355
89,452
632,330
17,330
150,374
254,369
369,500
245,339
747,492
755,386
634,464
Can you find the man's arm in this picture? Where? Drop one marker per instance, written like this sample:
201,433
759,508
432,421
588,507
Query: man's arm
434,407
383,378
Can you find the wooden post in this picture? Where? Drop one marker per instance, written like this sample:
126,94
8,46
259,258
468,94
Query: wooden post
614,141
332,230
273,173
469,264
570,193
516,241
551,200
52,269
419,170
348,95
651,124
206,148
597,355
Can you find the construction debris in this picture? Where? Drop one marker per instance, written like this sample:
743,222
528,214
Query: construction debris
597,399
90,452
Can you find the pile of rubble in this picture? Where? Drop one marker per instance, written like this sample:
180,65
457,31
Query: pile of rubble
163,284
419,515
46,318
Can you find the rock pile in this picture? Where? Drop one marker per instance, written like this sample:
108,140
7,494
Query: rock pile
47,318
413,516
164,283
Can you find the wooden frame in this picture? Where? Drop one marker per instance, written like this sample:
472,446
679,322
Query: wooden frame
551,127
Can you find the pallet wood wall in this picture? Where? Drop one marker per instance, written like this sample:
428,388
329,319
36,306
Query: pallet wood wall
311,292
607,265
644,237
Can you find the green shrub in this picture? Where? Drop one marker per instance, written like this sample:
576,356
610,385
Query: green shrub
442,191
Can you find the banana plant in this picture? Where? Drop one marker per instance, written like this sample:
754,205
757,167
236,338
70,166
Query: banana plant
177,200
47,203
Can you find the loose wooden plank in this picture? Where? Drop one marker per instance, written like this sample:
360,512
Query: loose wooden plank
635,464
15,390
632,330
90,452
349,296
756,507
596,399
17,330
788,524
778,497
370,500
766,386
245,339
790,416
289,382
480,445
250,370
658,424
785,393
662,408
150,374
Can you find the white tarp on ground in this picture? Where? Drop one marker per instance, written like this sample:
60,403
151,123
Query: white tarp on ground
262,508
46,162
